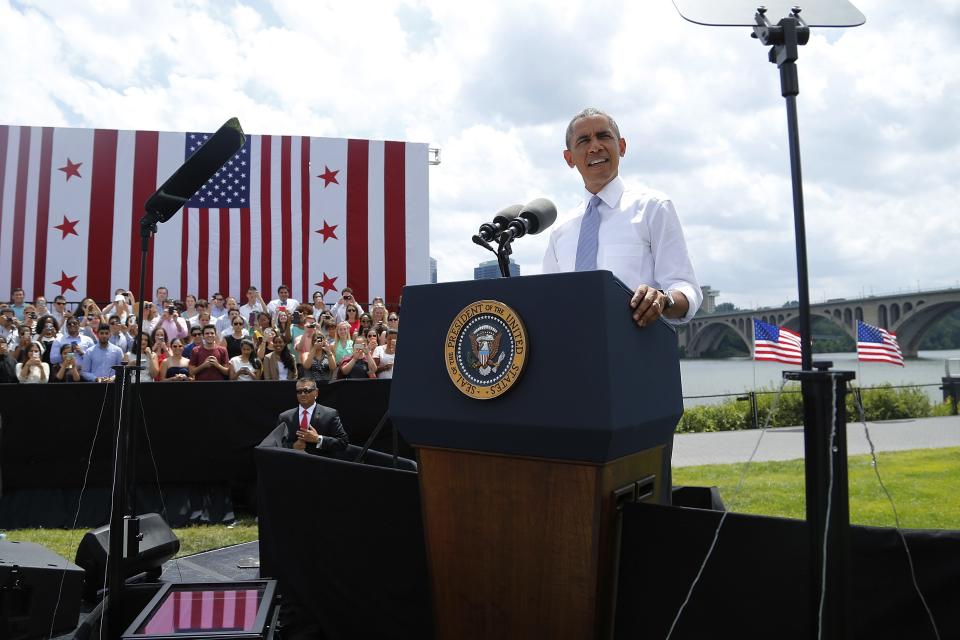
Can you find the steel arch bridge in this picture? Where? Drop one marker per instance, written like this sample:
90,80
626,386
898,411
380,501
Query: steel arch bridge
909,315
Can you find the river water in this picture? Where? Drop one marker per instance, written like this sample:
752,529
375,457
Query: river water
737,375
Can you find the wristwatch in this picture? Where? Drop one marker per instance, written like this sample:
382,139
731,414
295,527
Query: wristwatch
669,296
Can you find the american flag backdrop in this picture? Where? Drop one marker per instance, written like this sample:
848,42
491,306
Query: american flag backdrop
311,213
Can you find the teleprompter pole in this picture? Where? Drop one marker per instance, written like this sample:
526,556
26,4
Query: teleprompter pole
824,391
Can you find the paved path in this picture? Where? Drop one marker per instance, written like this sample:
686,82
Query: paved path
786,443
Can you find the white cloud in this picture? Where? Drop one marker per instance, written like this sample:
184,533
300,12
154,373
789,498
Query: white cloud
493,86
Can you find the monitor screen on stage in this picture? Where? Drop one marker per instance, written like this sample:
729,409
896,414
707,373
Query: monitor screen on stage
215,610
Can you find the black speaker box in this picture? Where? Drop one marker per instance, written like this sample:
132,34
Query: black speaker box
157,545
30,591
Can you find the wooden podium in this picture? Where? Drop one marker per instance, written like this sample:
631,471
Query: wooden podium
519,491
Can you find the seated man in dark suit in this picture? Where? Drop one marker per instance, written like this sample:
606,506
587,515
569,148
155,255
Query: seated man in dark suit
310,427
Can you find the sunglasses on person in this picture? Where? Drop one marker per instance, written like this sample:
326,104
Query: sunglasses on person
238,324
303,392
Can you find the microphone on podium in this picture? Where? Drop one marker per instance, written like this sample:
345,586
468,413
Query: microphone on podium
533,218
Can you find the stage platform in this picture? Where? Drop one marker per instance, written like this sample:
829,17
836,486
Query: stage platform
228,564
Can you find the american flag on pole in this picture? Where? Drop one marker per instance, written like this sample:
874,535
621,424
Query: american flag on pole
311,213
775,344
877,345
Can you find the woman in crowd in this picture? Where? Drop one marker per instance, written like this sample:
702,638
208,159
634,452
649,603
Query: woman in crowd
68,371
301,316
378,313
279,363
352,317
203,317
319,363
151,368
190,310
304,343
283,327
246,365
175,367
47,332
150,316
119,306
372,340
231,341
366,323
343,343
384,354
33,369
319,306
18,349
359,364
158,342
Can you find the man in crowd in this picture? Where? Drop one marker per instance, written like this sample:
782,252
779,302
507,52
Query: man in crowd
217,306
8,326
255,304
634,234
17,305
225,322
283,302
196,339
160,300
311,427
72,335
8,366
59,310
118,337
98,363
209,361
339,310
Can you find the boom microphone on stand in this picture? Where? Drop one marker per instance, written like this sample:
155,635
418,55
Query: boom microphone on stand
192,175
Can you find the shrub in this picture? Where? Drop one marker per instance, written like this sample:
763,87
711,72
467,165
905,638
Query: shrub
880,403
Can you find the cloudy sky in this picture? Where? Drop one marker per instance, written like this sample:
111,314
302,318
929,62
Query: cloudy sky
493,85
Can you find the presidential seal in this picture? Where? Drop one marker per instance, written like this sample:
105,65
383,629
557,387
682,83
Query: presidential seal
486,347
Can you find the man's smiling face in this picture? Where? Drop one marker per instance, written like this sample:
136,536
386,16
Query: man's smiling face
595,150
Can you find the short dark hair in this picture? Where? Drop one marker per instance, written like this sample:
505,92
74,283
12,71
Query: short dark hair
589,112
283,286
103,326
209,326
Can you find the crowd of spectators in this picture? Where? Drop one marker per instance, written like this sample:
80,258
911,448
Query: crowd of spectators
196,339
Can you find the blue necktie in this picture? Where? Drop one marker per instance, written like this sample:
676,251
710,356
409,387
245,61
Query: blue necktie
589,234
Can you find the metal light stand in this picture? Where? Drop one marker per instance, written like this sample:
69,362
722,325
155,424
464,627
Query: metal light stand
125,533
824,391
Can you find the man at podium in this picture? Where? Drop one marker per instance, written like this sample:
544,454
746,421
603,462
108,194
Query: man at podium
634,234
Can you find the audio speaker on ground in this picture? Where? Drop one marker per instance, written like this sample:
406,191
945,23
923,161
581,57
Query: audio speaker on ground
157,545
31,593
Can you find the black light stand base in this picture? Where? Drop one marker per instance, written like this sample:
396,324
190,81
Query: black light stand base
828,513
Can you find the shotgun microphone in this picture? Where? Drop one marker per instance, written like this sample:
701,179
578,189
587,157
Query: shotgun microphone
192,175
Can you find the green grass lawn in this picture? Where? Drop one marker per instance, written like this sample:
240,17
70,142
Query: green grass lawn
192,539
924,484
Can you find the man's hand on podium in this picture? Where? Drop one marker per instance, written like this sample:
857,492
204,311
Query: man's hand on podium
647,304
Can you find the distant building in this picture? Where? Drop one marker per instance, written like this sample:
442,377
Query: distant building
433,271
709,299
490,269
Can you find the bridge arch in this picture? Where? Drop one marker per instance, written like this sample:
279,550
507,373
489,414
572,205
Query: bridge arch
707,336
911,331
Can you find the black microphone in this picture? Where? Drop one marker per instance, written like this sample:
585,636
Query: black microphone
533,218
490,230
192,175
